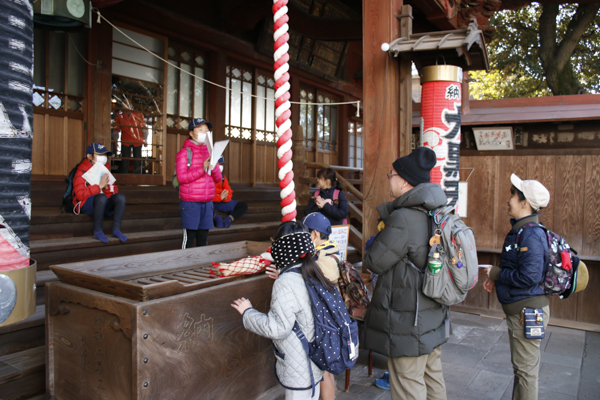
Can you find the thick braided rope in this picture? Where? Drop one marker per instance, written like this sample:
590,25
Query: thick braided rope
282,110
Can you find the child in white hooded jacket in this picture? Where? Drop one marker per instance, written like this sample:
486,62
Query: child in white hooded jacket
292,251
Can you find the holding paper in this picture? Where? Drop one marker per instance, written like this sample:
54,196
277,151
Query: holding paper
215,150
197,182
94,174
96,195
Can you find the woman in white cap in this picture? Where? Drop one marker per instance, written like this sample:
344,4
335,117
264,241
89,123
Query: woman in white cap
518,281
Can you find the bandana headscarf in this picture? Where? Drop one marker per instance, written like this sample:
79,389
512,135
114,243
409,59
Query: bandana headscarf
289,248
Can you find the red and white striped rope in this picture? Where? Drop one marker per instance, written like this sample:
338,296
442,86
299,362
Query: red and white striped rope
282,110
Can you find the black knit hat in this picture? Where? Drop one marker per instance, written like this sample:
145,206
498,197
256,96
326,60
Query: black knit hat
416,167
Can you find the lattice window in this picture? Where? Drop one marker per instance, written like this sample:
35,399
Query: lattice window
137,103
186,94
318,121
355,144
240,121
58,72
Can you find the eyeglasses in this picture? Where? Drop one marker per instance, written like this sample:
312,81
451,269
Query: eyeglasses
390,174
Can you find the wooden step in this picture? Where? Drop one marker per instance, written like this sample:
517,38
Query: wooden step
22,374
51,193
57,251
24,334
37,397
49,223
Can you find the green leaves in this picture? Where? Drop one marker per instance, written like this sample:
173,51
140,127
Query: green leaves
516,55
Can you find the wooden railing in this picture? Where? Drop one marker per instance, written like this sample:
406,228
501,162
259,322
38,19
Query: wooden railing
354,213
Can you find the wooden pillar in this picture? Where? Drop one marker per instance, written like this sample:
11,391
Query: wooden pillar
99,84
382,108
405,141
216,95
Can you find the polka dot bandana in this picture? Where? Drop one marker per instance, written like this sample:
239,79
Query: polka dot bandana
289,248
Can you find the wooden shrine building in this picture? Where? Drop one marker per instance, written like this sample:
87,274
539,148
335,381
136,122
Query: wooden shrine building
173,61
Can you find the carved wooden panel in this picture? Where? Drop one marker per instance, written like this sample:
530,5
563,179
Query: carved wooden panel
187,346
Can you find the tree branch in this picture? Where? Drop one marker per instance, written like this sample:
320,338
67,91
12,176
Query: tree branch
548,31
576,28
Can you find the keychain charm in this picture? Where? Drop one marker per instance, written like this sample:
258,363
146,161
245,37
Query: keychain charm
435,239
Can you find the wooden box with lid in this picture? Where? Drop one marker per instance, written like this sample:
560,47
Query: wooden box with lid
157,326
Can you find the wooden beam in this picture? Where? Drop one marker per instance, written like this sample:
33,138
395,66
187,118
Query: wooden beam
381,88
325,28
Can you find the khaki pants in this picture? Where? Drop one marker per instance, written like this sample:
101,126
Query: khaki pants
525,356
417,378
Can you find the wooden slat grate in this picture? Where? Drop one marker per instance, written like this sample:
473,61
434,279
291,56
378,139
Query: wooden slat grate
187,277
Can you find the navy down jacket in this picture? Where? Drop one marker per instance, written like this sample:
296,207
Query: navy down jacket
523,267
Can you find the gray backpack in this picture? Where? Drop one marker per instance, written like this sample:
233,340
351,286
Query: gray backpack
458,252
189,163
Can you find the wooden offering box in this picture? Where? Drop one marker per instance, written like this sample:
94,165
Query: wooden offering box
157,326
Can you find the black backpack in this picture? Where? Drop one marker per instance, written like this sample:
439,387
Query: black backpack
67,200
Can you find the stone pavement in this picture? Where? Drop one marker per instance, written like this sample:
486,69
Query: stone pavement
476,364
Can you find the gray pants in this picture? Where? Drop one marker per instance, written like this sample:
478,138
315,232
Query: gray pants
525,356
417,378
302,394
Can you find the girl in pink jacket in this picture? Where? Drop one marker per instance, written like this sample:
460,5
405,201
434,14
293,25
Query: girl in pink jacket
196,186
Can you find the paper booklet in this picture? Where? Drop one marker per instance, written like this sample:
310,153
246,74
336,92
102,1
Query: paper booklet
215,150
94,174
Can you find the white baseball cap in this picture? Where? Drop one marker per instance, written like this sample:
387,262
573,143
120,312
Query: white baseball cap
536,193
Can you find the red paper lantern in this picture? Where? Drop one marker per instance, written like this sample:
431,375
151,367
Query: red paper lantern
440,124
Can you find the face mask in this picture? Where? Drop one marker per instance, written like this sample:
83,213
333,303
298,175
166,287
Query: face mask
101,160
200,137
221,168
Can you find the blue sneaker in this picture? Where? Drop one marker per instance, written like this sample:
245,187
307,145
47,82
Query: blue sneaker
383,383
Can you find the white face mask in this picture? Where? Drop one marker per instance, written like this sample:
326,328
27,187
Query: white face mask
101,159
221,168
200,137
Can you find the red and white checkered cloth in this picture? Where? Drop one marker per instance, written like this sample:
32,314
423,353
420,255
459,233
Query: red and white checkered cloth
245,266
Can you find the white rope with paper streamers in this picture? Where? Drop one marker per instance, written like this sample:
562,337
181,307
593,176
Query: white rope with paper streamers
282,110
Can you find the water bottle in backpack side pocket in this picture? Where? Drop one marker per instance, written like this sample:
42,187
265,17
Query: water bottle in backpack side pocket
435,263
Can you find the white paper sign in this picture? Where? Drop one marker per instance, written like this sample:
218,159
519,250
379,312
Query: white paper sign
498,138
462,199
340,234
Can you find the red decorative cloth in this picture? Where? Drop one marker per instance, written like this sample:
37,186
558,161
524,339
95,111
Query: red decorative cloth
245,266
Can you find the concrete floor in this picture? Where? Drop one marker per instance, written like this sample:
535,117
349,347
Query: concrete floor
476,364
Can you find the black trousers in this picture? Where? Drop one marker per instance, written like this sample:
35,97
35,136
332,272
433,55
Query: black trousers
200,236
127,151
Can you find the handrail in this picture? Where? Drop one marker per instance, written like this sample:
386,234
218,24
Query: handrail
344,168
345,184
355,236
